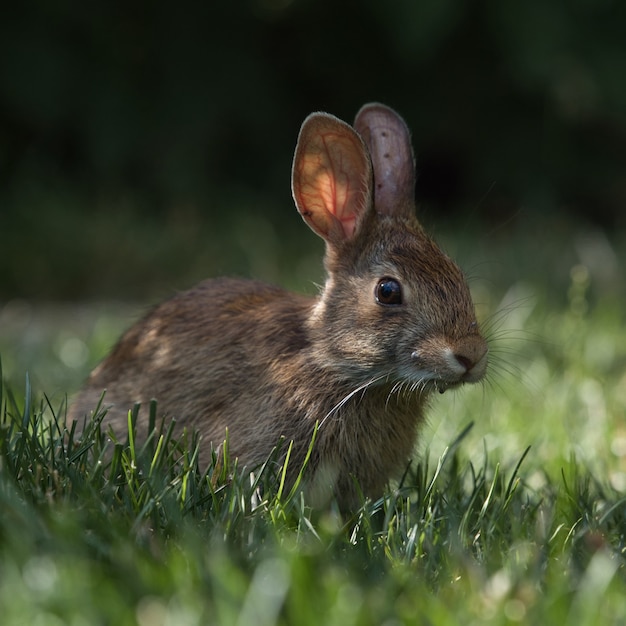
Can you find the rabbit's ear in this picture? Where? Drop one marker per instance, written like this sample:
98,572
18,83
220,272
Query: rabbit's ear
389,143
331,179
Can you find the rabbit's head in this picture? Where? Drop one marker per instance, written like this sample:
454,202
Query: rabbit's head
394,307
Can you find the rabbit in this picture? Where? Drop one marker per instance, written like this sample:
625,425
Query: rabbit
394,322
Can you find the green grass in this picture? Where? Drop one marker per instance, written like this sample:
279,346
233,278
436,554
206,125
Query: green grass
518,518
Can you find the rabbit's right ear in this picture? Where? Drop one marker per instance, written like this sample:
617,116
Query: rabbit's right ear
331,179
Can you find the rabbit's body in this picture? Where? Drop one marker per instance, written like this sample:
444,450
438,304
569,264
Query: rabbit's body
258,401
393,322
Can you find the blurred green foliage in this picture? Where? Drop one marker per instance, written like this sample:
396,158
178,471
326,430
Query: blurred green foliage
150,139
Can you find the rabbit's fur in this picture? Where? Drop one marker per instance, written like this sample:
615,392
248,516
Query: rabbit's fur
361,359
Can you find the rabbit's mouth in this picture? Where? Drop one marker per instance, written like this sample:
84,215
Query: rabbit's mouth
441,386
427,381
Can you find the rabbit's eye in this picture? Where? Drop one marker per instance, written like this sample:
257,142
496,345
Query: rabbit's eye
388,291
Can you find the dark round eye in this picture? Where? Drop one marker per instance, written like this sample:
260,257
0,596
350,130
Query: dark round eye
388,291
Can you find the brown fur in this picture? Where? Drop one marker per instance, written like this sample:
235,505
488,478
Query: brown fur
265,363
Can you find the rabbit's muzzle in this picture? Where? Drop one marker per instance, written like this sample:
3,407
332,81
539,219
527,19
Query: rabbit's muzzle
447,363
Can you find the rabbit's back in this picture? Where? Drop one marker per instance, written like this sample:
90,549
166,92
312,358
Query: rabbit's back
211,357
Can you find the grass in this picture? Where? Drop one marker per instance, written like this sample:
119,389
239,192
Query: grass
518,518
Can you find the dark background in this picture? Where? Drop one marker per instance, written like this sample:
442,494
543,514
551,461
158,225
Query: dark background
146,143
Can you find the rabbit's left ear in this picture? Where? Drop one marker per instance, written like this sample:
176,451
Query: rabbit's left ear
389,143
331,179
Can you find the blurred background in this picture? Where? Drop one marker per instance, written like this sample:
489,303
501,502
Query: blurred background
147,145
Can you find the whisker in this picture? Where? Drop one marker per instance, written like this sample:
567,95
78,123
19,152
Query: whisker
361,388
396,389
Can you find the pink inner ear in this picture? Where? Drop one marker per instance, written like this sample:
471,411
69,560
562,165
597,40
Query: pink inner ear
331,181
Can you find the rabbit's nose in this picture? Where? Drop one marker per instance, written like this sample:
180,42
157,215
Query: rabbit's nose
473,358
465,361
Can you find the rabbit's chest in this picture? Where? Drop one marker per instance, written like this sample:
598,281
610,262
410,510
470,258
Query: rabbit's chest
373,440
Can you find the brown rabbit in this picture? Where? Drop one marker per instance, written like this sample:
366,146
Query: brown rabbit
393,322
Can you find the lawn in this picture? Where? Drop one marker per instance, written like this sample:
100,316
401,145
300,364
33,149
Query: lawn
512,512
